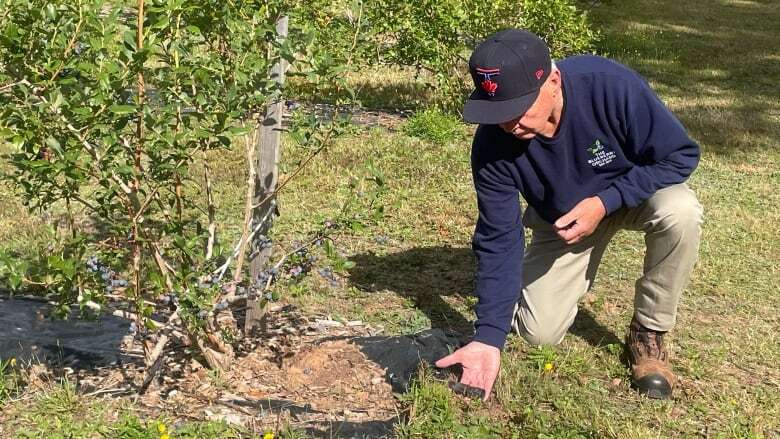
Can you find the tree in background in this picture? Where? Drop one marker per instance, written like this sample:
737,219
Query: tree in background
436,36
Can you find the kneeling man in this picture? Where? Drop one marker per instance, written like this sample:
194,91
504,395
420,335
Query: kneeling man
593,150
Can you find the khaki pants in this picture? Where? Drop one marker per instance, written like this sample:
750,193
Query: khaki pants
557,275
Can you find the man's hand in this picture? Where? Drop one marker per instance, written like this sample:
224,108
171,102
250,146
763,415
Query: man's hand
581,221
480,365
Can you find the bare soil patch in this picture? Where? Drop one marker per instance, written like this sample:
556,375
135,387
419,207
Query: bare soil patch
305,371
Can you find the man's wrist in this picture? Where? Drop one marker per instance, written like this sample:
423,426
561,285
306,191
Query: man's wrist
599,205
490,335
611,199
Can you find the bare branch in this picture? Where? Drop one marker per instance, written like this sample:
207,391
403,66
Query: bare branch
137,250
86,204
355,37
134,317
153,357
323,145
163,266
250,192
221,270
148,200
5,88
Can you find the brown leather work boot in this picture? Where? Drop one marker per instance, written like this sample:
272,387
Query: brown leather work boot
651,373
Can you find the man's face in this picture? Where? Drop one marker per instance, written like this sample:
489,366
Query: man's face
537,119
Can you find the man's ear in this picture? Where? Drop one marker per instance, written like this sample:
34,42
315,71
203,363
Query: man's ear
555,78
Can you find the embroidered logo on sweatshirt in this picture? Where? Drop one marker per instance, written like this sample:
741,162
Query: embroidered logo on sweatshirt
601,155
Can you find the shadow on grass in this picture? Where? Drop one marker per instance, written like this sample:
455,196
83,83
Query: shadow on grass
718,75
427,275
394,96
594,333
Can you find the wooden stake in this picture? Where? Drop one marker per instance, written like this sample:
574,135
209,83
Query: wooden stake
266,181
138,169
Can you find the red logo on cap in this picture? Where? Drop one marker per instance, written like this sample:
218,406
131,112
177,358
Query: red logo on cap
539,74
487,84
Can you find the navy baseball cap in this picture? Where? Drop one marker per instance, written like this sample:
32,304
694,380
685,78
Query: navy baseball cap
508,69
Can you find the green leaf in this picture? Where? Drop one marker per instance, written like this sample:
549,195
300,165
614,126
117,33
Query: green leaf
327,246
5,133
64,266
51,13
122,109
52,143
239,131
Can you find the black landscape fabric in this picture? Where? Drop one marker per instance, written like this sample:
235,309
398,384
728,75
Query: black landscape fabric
28,335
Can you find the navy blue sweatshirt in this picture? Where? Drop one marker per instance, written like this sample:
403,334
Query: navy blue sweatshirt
616,140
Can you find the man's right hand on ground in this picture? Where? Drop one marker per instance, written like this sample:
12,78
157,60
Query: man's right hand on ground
480,363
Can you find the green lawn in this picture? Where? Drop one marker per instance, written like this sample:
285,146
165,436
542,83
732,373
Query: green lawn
716,64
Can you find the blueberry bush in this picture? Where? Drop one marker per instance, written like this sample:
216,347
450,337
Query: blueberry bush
111,111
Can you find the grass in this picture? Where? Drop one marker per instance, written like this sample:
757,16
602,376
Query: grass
60,412
714,62
725,343
433,126
9,379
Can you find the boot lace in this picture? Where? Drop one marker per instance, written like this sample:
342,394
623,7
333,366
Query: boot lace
651,342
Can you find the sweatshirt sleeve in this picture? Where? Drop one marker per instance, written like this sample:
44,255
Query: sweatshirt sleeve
498,244
656,142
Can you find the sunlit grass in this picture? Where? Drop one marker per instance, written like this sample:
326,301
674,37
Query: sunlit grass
716,65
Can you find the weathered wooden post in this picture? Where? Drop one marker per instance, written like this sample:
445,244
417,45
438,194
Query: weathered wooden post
265,184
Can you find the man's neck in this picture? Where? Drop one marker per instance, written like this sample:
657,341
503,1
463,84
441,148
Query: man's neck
554,122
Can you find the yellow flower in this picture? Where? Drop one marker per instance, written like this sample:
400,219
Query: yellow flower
164,436
548,367
13,362
161,428
268,435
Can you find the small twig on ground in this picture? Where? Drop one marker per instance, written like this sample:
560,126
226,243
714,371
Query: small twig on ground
118,390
